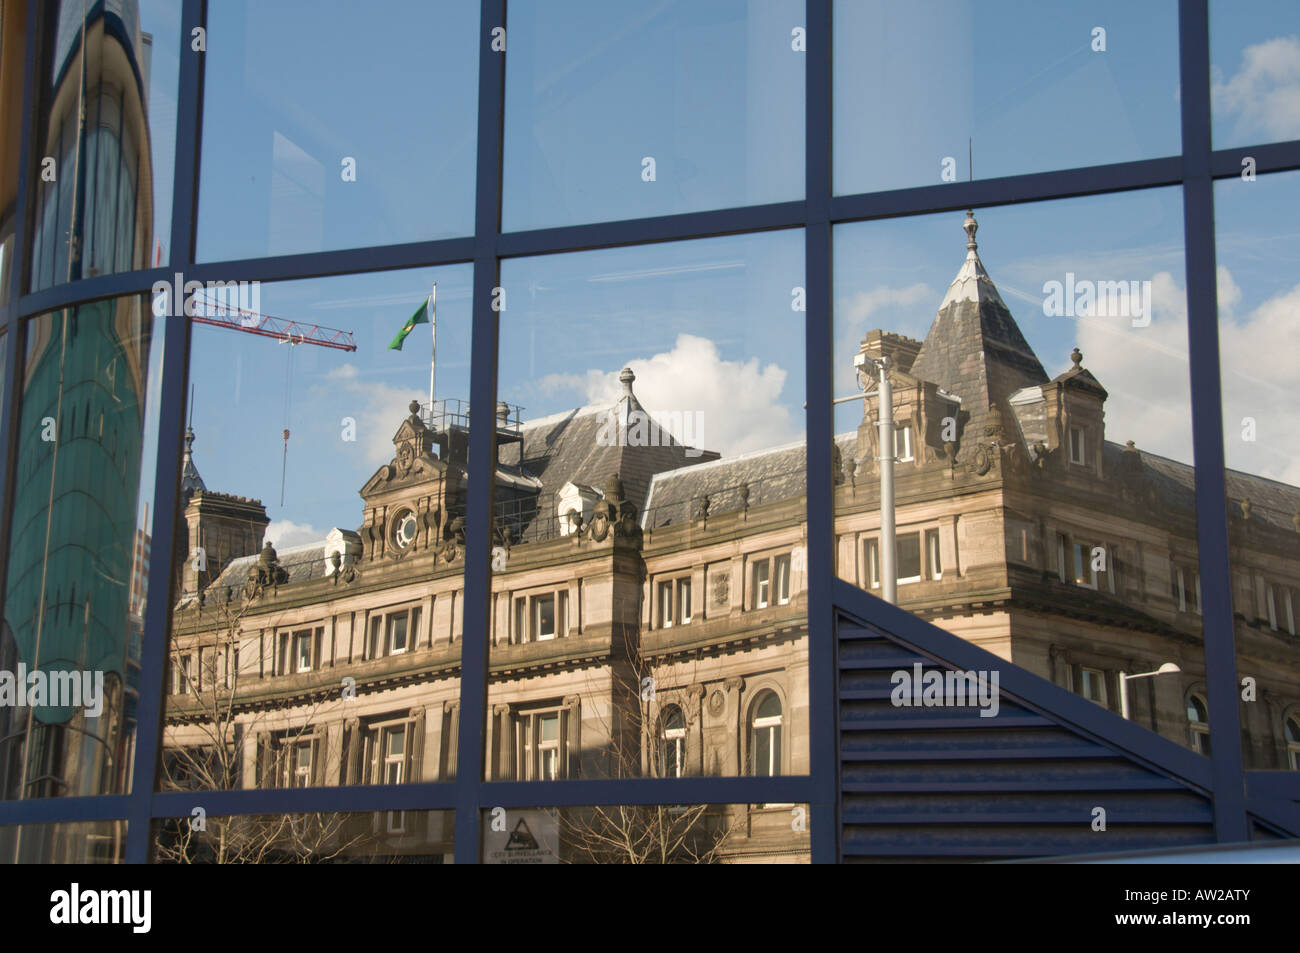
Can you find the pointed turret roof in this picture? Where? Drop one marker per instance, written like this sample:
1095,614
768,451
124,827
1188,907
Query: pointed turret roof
190,479
974,348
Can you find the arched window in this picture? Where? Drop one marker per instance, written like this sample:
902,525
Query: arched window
1198,721
765,736
672,743
1292,727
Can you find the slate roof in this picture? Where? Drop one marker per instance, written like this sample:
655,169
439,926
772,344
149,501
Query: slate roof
975,349
771,475
303,563
564,448
1271,502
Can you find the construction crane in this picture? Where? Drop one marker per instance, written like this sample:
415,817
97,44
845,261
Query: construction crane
221,314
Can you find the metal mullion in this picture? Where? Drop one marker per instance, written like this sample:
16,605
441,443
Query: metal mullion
644,231
1008,190
793,789
354,799
65,810
819,499
346,261
167,465
482,445
1269,157
1226,767
75,293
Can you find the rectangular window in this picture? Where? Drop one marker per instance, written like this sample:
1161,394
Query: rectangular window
1271,602
903,443
521,621
665,604
1060,557
1178,587
782,580
1093,686
185,686
1078,446
300,764
684,600
539,745
909,557
934,563
544,617
871,560
1084,574
761,584
397,633
302,651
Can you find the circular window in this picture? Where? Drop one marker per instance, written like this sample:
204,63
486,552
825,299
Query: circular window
404,532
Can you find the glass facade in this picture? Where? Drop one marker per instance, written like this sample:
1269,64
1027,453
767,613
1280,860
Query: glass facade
730,339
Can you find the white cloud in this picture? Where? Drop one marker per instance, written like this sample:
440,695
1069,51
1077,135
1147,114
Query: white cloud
740,402
379,411
285,533
1260,379
1264,94
856,315
1146,373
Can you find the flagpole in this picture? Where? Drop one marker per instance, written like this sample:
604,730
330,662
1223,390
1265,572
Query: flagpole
433,334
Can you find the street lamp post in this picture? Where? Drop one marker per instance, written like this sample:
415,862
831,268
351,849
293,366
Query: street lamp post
885,402
1167,669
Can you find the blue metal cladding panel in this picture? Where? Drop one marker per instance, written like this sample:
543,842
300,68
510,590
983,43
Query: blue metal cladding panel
945,784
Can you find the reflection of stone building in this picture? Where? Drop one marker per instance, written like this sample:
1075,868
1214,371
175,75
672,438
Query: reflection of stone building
649,601
622,643
1023,529
75,573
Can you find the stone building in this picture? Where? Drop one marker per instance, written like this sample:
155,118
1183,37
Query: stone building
649,611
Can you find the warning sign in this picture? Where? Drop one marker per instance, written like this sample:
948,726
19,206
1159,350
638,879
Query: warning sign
519,836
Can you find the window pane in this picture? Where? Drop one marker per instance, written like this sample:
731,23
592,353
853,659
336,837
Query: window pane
1009,81
421,837
1001,332
1254,62
77,572
653,401
82,842
323,129
105,205
1259,327
316,501
648,834
909,556
617,112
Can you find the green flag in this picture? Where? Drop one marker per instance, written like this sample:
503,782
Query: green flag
421,316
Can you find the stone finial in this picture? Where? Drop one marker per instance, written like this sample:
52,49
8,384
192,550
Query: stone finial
626,377
503,413
971,226
1245,508
1077,357
414,408
614,489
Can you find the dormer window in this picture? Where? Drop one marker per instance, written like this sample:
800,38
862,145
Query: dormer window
903,444
1078,446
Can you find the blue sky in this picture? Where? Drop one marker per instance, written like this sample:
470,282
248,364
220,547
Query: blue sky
714,93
